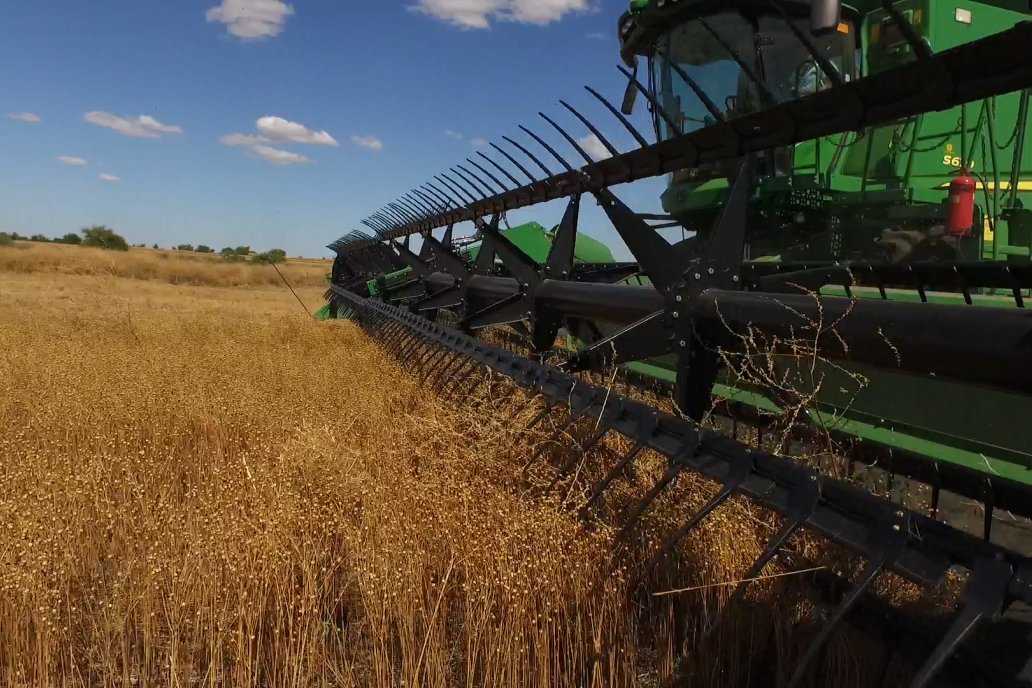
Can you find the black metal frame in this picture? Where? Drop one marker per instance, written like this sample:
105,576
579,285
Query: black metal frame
890,538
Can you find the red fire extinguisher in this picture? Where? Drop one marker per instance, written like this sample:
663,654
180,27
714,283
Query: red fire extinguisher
960,208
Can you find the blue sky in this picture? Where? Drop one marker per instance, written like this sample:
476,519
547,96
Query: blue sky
276,124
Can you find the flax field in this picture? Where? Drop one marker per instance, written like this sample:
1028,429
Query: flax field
202,486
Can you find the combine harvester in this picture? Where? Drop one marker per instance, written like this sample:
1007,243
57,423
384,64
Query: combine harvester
851,180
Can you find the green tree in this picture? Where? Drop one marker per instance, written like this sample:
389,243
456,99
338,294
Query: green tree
242,250
276,255
100,236
6,239
71,238
184,247
155,247
39,238
204,249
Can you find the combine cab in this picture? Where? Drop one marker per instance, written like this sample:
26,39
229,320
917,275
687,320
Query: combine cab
850,181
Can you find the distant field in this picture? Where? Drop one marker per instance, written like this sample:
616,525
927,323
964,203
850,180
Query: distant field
172,267
201,486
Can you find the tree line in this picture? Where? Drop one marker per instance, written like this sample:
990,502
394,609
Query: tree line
100,236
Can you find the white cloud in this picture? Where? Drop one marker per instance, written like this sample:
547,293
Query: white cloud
252,19
279,130
242,140
478,143
453,134
478,14
594,147
105,177
143,127
69,160
29,117
370,142
277,156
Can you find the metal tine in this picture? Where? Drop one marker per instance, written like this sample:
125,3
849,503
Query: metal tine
425,359
455,204
490,189
418,208
566,425
989,507
984,598
441,372
592,128
482,189
614,472
541,142
433,206
459,377
548,172
588,445
501,169
541,415
413,209
493,178
619,115
399,219
699,92
386,219
472,195
802,502
822,61
511,159
403,211
426,194
740,470
454,186
572,141
892,543
673,470
430,365
412,198
383,220
761,88
652,101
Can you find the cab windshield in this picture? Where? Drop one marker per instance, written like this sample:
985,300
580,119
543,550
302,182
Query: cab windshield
727,53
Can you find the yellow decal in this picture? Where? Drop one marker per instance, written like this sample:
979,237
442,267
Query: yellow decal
918,16
843,27
987,233
954,160
949,148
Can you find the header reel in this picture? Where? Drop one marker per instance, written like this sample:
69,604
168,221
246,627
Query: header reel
700,302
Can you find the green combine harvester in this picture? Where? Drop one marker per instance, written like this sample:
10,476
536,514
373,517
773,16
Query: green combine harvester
850,183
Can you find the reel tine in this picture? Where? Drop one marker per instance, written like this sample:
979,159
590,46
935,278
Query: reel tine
548,172
673,470
802,503
501,169
490,176
511,159
600,432
655,104
619,115
455,188
569,139
592,128
566,425
488,190
984,598
739,472
543,144
891,544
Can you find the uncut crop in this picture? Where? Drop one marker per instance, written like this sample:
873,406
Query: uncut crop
202,487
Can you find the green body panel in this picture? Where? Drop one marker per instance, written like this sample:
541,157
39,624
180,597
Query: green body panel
536,242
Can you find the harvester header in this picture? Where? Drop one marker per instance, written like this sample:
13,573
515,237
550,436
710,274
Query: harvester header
853,266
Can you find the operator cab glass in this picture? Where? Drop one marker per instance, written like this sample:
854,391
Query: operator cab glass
726,54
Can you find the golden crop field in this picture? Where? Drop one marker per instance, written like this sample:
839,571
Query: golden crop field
200,486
